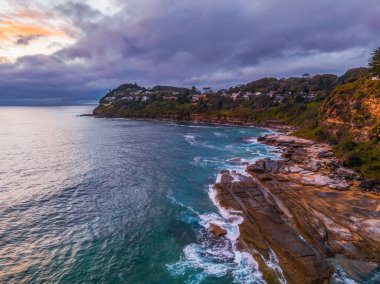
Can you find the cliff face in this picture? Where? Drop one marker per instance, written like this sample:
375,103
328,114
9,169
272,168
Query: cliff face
352,111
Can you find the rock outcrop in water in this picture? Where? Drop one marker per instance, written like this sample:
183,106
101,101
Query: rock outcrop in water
217,231
305,211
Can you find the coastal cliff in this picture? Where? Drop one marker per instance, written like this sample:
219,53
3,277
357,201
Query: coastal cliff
353,109
307,210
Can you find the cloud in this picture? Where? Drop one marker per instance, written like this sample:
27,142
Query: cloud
10,29
199,42
25,40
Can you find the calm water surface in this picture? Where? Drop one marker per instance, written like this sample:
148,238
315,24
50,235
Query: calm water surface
85,200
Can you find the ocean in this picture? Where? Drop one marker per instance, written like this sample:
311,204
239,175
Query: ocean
90,200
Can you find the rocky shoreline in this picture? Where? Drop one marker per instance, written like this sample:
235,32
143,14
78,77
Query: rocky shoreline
307,211
213,120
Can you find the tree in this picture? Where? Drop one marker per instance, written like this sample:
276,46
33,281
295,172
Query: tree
184,97
194,90
374,62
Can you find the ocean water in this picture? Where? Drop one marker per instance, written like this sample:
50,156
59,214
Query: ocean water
86,200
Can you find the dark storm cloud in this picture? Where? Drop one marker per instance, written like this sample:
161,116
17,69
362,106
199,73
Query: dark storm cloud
213,42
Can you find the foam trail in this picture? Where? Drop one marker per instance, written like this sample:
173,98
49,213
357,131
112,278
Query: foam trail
247,269
211,257
190,139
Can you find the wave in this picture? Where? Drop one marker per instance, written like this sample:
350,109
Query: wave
218,134
190,139
211,257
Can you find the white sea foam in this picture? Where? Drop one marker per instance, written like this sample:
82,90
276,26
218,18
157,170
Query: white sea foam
252,140
217,257
235,219
247,269
340,277
218,134
218,180
273,264
190,139
220,257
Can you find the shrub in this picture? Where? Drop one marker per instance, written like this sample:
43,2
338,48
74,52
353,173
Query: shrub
352,160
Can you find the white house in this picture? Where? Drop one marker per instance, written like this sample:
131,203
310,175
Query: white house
235,96
279,98
110,99
196,98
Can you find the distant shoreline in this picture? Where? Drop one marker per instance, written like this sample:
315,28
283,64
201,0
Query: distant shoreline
270,125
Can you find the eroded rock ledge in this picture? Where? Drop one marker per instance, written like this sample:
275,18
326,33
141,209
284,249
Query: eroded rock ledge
308,210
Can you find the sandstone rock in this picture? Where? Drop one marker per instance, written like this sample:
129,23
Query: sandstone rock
235,161
270,165
326,154
299,209
313,166
295,169
286,140
340,185
346,173
317,180
265,229
217,231
256,168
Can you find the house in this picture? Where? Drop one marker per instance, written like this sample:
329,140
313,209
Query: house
169,98
247,95
150,93
175,93
279,98
258,94
235,96
110,99
196,98
145,99
375,78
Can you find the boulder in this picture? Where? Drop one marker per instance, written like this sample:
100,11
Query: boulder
256,168
217,231
326,154
372,186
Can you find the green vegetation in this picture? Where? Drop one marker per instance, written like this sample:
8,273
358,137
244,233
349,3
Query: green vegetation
343,111
364,156
374,62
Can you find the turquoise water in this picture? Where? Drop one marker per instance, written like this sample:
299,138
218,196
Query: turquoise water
87,200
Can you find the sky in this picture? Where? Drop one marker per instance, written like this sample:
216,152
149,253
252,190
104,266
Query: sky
72,52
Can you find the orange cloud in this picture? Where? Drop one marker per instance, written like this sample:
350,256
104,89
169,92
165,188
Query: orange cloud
11,30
